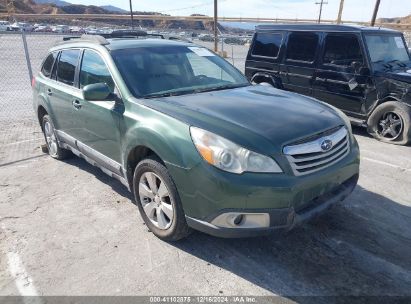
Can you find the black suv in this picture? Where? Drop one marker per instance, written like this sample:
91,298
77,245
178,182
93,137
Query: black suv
363,71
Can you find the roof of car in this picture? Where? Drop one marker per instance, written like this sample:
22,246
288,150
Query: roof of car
116,43
324,27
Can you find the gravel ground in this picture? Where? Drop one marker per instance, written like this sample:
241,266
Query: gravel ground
68,229
75,231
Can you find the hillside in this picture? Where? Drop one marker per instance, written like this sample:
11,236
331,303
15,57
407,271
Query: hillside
397,20
31,7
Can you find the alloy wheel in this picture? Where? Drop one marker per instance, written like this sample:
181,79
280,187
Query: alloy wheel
390,126
156,200
50,138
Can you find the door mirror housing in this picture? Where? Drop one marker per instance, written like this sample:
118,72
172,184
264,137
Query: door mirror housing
96,91
356,66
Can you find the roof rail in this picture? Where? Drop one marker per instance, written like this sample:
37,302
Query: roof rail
130,34
89,38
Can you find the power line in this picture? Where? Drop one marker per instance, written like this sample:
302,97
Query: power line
191,7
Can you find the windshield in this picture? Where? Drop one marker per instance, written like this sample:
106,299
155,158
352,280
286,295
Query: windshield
175,70
385,49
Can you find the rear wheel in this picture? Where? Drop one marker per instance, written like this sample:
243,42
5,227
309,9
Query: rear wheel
391,122
51,140
158,200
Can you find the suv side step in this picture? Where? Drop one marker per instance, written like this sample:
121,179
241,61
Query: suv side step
358,122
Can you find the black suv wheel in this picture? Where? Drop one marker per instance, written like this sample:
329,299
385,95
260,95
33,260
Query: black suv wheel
391,122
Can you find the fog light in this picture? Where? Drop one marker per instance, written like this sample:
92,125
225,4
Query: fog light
238,219
242,220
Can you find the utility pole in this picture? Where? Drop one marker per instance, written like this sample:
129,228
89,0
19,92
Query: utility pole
321,3
340,11
131,15
374,14
215,27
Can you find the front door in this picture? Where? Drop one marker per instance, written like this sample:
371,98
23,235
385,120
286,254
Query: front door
338,80
98,131
297,70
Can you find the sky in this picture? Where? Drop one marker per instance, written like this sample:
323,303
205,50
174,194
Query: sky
354,10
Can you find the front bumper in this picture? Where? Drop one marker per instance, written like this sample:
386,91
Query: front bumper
207,192
280,219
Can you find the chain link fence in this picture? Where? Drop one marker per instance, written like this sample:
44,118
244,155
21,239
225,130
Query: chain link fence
20,134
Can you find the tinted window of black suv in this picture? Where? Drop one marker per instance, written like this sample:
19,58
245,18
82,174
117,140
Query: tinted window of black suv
365,72
267,44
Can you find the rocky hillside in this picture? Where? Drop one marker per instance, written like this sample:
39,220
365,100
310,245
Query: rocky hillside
31,7
397,20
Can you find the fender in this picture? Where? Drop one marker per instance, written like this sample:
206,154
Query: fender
378,102
42,101
167,137
271,79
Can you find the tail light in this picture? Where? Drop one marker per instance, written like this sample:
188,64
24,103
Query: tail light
33,82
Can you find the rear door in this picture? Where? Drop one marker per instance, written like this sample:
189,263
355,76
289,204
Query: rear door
98,131
338,81
264,55
62,91
298,67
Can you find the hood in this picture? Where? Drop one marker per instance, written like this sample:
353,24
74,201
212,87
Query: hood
252,116
403,75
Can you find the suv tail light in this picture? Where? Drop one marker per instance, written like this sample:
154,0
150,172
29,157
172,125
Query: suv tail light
33,82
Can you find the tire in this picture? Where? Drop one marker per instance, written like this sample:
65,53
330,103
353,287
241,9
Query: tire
160,207
51,140
391,123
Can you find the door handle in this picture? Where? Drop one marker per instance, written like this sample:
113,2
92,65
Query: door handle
49,92
76,104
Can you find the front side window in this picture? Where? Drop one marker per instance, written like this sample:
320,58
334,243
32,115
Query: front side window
302,46
94,70
386,48
48,64
175,70
267,44
66,68
342,49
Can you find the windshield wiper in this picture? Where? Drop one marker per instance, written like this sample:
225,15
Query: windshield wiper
223,87
167,94
400,63
384,64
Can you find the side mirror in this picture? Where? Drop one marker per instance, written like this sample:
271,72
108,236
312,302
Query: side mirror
96,91
355,65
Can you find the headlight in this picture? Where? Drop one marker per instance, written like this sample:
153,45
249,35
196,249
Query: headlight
229,156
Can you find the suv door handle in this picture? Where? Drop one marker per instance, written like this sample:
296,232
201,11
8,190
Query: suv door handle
49,92
76,104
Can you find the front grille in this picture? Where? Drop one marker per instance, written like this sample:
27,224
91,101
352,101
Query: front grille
310,156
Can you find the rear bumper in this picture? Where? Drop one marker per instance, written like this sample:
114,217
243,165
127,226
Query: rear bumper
280,219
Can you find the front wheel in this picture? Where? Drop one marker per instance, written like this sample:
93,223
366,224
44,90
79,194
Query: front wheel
391,122
158,200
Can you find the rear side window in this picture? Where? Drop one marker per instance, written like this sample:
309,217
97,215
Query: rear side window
302,46
48,64
267,44
94,70
66,68
342,49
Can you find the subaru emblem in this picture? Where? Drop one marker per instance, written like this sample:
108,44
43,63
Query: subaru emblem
326,145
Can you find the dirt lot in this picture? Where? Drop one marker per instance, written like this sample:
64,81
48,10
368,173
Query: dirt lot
68,229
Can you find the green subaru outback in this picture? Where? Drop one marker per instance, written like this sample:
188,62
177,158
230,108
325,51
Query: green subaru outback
193,140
